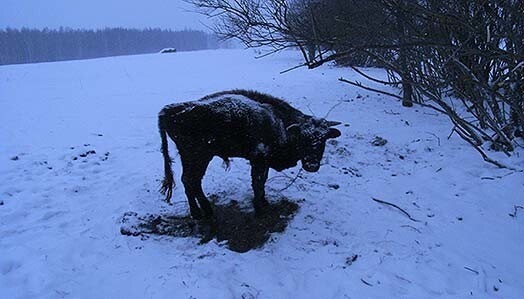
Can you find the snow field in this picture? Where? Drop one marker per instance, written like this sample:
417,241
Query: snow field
79,147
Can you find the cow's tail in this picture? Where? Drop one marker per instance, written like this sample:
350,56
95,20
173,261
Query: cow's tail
168,182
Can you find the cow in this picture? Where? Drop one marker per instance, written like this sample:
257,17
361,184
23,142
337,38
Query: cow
263,129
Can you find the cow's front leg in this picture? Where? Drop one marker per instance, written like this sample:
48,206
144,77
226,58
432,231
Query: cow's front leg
259,171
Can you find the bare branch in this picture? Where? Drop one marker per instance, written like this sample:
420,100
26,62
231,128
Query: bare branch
395,206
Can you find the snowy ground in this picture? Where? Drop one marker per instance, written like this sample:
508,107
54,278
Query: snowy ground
60,212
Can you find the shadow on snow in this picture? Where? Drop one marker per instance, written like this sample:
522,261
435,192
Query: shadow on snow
240,228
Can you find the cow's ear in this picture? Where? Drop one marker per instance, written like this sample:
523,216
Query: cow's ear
333,133
332,123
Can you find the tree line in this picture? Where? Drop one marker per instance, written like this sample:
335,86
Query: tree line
461,58
37,45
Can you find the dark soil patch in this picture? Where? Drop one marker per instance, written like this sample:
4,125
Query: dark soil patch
379,141
241,229
91,152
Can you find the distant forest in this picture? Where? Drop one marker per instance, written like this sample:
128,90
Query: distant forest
38,45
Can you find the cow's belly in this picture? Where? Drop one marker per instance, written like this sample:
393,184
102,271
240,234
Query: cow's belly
240,149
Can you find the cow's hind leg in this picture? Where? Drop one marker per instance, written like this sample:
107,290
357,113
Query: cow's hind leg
193,172
202,200
193,207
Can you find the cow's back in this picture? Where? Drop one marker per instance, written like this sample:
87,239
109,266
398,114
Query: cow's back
227,125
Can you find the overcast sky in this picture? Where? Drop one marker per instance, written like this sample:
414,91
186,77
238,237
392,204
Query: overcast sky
172,14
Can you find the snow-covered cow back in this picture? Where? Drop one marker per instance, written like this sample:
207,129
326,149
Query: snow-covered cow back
260,128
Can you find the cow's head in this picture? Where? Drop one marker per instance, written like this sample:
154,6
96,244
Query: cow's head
310,136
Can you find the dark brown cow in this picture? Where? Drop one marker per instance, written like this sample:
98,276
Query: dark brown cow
239,123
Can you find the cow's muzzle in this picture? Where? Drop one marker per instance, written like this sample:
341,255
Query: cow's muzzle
310,167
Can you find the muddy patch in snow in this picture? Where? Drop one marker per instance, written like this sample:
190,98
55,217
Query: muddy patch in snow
239,228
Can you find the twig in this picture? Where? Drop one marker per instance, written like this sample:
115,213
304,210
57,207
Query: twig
413,228
357,84
268,53
452,131
395,206
515,209
281,176
332,108
365,282
474,271
308,106
485,157
293,68
292,181
371,78
391,112
438,139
